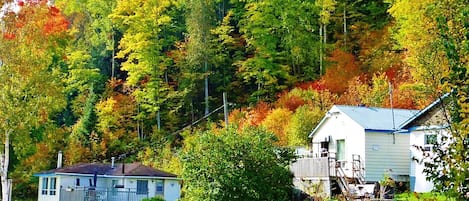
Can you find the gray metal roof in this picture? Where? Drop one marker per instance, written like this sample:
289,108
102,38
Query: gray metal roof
373,118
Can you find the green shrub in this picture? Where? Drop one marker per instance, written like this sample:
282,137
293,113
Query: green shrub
154,199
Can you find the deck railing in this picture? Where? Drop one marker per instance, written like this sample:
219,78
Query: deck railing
313,167
100,194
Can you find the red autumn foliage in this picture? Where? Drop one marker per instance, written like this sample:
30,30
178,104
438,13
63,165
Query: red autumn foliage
344,69
316,85
402,99
9,36
258,114
392,73
290,102
56,22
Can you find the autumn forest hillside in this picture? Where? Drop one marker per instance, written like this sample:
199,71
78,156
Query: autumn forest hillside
128,78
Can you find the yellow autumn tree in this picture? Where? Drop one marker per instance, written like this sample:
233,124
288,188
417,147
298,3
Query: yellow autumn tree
277,122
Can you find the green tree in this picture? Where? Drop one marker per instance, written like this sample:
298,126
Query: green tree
280,46
416,32
146,36
232,164
30,76
200,20
448,171
302,123
94,34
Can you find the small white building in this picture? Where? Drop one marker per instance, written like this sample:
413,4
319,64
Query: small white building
97,181
425,129
367,136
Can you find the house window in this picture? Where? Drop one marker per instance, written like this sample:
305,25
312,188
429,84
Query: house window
77,182
324,149
53,184
429,141
45,182
340,150
142,186
159,188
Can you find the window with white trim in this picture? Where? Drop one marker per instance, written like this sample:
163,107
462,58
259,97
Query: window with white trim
45,183
142,186
53,185
340,155
49,186
429,141
159,187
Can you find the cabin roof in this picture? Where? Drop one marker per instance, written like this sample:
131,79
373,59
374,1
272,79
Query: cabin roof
371,118
130,169
423,112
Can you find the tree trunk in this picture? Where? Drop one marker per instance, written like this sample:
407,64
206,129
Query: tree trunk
4,161
207,110
320,49
345,27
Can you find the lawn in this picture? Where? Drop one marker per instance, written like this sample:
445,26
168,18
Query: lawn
423,197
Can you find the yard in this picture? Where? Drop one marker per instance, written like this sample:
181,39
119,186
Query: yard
423,197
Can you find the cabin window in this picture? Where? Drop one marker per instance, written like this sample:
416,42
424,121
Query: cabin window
53,184
142,186
159,187
429,141
324,149
45,183
340,150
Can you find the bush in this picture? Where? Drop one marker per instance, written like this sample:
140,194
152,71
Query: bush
154,199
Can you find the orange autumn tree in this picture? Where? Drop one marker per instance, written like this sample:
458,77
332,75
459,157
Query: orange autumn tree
344,67
30,78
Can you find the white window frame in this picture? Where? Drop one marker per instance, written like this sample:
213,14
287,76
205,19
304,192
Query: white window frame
157,185
52,186
141,191
45,185
429,141
340,154
49,186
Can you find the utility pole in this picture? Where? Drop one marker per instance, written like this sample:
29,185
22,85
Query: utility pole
392,113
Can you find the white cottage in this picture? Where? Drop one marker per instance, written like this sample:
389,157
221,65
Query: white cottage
425,128
366,135
96,181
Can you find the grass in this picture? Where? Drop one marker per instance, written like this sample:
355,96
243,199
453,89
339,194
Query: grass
422,197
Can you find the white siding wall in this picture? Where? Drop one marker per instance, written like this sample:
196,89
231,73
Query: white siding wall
49,197
341,127
382,154
70,181
172,190
417,177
